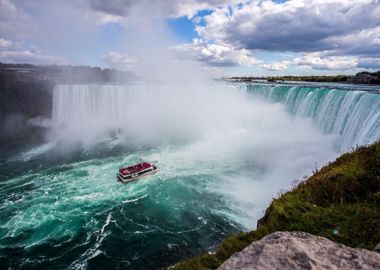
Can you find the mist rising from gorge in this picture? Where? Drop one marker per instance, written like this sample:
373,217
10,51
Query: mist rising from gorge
176,111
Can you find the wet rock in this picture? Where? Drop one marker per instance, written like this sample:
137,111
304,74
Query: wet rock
261,222
299,250
377,248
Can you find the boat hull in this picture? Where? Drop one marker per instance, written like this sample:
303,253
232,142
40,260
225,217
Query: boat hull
132,179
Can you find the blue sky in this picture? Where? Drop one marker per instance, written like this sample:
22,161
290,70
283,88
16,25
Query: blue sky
183,28
262,37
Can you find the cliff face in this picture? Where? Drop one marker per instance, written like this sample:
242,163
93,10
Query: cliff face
299,250
340,202
26,93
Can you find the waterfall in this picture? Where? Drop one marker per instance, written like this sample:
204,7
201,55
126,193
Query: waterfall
71,102
145,112
353,115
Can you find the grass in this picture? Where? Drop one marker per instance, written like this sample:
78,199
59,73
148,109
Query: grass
340,202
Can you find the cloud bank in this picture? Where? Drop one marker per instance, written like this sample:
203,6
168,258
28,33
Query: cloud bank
319,34
331,34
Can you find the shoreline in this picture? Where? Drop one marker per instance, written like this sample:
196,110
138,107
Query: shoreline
336,202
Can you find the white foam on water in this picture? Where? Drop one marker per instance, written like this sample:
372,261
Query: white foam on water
94,251
35,151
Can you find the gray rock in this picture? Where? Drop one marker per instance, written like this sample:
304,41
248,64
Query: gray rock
377,248
261,222
299,250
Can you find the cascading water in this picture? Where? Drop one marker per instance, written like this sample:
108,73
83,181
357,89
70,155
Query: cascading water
222,153
353,115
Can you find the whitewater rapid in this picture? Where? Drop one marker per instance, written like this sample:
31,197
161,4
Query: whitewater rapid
354,115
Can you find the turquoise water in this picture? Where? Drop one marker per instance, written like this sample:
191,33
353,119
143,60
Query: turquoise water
353,115
75,214
228,155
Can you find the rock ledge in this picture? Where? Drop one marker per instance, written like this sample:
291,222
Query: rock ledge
299,250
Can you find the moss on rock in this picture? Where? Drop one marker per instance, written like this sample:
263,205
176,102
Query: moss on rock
341,202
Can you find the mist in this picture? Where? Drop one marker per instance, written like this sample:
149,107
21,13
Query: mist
177,110
127,89
172,99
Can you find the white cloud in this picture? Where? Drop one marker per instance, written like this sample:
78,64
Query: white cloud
327,34
167,8
296,25
277,66
320,62
216,55
103,18
13,22
29,56
362,42
369,63
4,43
118,60
190,8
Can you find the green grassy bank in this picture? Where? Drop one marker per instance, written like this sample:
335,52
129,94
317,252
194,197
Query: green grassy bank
340,202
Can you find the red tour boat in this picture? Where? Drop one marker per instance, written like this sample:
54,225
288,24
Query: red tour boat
132,173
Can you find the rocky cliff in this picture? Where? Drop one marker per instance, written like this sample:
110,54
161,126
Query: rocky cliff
26,96
299,250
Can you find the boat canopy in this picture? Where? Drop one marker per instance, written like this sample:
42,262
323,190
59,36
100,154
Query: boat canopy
135,168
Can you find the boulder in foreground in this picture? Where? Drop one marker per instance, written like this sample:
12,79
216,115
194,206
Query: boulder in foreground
299,250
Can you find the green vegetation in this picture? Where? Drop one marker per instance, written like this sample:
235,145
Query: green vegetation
332,78
340,202
361,78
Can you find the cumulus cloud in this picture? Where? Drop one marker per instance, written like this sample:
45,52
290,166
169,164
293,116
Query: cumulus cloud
277,66
174,8
67,28
330,34
119,60
29,56
369,63
320,62
295,25
324,34
14,52
4,43
216,55
363,42
14,23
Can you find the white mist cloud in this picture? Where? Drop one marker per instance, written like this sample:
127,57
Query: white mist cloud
216,55
252,149
119,60
177,104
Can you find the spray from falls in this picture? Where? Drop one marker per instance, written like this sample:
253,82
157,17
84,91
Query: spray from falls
246,144
222,153
266,144
352,115
237,152
143,113
207,138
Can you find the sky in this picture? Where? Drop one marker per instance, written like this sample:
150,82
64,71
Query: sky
265,37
